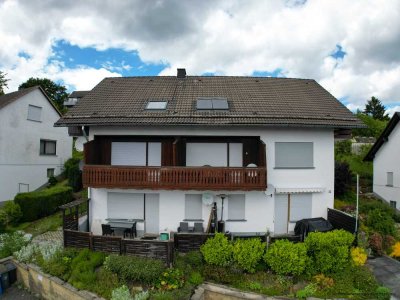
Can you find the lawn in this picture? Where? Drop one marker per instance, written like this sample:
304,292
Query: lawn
50,223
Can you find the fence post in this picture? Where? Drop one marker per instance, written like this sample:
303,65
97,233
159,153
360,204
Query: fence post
90,241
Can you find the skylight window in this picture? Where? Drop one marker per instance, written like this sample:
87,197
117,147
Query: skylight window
157,105
208,103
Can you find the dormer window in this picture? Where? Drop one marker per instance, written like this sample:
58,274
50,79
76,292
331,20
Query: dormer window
157,105
212,103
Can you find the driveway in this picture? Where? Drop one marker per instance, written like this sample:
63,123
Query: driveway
387,272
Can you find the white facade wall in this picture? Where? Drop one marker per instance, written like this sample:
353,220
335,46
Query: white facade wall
387,160
20,159
259,208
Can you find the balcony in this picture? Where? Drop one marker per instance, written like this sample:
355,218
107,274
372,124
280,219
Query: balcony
175,178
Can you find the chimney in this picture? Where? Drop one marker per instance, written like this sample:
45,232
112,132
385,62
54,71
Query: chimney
181,74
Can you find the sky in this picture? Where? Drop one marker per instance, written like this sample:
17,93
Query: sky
352,47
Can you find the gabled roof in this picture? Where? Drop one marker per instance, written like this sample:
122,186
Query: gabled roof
262,101
384,137
78,94
11,97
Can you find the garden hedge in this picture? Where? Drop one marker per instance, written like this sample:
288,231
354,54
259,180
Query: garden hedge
39,204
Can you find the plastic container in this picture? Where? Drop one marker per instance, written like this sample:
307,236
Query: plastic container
12,272
5,280
164,236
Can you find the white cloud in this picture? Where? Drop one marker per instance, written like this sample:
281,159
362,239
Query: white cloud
225,37
393,109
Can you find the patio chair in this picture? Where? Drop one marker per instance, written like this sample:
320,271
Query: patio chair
198,227
183,227
131,232
106,229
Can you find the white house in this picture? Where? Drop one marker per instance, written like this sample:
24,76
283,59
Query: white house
31,148
385,154
162,149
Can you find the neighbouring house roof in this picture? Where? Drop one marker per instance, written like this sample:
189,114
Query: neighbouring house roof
11,97
384,137
78,94
262,101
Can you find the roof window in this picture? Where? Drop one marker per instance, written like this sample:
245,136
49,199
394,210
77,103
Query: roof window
157,105
212,103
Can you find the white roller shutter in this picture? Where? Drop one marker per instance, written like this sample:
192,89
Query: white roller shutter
193,207
128,154
154,154
235,154
202,154
125,206
300,206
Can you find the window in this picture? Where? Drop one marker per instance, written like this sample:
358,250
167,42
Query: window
157,105
47,147
50,173
34,113
300,206
125,206
292,155
193,207
136,153
236,208
389,178
212,103
393,204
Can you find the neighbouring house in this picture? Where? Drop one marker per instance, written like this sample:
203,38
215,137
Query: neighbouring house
385,155
74,97
162,149
31,148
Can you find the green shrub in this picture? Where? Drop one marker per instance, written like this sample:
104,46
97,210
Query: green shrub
382,293
224,275
381,222
329,252
196,278
286,258
308,291
140,269
60,264
121,293
12,242
368,205
52,181
73,174
39,204
83,268
194,259
3,221
248,253
170,279
143,295
106,282
13,212
217,250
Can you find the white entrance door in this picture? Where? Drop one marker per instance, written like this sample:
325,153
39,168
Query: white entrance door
281,214
152,213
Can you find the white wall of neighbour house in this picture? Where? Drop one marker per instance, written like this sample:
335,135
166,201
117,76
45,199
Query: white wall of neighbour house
20,159
259,205
387,160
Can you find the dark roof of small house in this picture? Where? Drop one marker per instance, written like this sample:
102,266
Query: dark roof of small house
11,97
252,101
384,137
78,94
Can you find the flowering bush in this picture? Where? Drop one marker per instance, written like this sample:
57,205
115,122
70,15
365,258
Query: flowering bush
31,252
121,293
375,243
359,256
171,279
396,250
323,282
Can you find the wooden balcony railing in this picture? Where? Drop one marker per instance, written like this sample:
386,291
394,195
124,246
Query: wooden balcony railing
175,178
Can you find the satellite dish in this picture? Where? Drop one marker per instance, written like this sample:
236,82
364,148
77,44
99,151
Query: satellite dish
79,143
207,199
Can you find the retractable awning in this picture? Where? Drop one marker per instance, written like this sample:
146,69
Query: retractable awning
299,190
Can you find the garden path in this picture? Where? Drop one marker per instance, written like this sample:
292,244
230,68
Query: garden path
387,272
49,236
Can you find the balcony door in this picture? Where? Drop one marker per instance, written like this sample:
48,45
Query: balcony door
136,153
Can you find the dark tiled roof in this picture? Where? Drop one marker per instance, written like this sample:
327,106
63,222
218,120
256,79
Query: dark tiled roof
11,97
252,101
384,137
78,94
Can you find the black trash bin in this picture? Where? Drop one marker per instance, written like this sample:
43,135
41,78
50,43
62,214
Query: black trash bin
5,280
12,272
305,226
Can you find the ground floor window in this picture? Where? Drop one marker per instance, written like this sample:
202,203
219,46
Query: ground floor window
393,204
50,172
48,147
125,206
193,207
236,208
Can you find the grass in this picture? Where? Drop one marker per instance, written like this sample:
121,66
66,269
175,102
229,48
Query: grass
50,223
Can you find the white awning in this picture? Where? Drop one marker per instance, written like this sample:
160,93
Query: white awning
298,190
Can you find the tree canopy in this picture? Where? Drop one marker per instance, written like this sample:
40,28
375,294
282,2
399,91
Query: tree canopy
374,126
56,92
375,109
3,82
